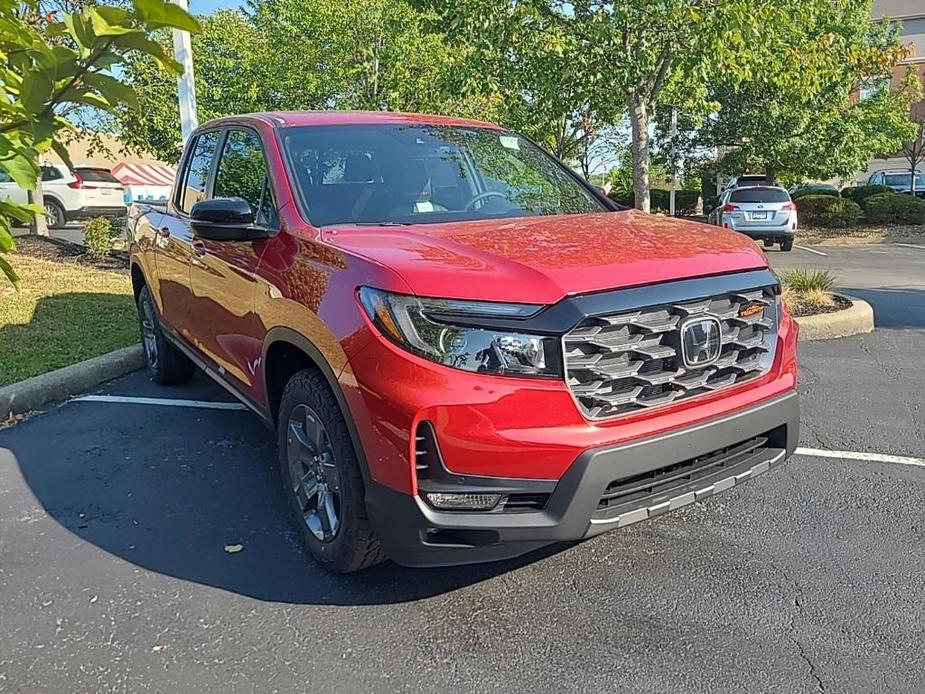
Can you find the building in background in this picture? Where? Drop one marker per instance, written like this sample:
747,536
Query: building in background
143,177
911,13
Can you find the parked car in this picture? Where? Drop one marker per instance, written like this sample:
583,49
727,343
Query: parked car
899,180
467,352
746,180
764,213
815,189
85,192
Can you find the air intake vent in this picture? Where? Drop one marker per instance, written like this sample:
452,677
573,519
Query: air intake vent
426,455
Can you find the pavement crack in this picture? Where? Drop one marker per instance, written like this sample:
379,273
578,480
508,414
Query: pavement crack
820,685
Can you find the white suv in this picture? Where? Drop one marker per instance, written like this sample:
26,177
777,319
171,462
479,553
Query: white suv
85,192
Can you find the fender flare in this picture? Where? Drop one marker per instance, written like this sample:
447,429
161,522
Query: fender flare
296,339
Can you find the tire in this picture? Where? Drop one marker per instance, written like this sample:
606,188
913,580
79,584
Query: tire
321,474
786,245
768,244
55,214
166,364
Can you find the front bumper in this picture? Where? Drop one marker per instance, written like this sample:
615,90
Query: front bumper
414,534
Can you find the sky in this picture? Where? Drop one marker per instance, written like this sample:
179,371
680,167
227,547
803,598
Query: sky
209,6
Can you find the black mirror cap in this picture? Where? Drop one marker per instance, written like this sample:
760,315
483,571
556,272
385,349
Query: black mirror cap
226,219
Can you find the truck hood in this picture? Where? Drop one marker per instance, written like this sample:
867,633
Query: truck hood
543,259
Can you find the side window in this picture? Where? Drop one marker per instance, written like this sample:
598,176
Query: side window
4,176
242,173
197,174
51,173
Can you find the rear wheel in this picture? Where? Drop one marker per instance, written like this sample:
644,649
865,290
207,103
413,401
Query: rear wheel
55,214
321,477
786,245
166,364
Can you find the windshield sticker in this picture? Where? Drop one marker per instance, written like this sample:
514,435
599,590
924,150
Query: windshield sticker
510,142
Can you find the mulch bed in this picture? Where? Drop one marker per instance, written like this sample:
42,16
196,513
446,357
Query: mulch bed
60,251
865,233
841,303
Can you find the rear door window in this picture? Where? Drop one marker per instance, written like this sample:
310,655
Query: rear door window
96,175
759,195
50,173
197,173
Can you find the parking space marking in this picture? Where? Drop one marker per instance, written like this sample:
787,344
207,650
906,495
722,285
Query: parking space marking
811,250
911,245
170,402
867,457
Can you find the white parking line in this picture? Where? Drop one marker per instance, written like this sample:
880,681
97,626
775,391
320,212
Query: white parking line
867,457
911,245
171,402
811,250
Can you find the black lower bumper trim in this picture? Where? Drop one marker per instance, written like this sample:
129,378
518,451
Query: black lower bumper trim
414,534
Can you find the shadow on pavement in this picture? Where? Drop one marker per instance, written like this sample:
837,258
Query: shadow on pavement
167,488
894,307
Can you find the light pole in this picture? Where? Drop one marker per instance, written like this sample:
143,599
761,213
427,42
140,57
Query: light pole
186,84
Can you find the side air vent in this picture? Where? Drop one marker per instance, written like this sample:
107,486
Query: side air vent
426,454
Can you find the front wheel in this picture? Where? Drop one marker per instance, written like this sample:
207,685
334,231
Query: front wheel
321,477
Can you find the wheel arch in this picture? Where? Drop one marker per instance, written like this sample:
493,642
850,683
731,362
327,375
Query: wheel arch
285,352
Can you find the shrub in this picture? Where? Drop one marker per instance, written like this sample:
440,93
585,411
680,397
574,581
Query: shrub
828,211
894,208
685,201
98,237
860,193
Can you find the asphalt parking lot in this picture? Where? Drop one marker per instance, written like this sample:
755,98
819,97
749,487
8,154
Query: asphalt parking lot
113,574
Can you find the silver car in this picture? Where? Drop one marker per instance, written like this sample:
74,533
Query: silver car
764,213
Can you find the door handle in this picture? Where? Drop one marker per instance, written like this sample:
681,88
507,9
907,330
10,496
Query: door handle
163,232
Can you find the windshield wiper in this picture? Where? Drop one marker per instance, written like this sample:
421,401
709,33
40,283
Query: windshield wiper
369,224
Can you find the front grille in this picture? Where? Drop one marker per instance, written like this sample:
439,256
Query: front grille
649,485
620,363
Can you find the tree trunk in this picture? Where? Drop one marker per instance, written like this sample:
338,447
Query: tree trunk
770,175
639,146
39,225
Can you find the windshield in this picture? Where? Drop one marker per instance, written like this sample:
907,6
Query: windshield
415,174
759,195
904,179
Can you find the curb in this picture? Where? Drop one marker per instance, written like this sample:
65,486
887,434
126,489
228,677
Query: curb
857,319
60,384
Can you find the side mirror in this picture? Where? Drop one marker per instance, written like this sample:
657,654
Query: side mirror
226,219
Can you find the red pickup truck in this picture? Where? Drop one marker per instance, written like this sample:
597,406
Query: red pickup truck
466,350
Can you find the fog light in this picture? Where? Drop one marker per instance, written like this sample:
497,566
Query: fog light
462,502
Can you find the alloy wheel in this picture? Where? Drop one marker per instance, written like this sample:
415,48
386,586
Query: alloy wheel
313,473
148,332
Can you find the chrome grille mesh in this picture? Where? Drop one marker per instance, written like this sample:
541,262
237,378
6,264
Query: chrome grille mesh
625,362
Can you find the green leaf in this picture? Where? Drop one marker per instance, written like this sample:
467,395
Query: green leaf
102,27
36,90
139,42
62,152
157,13
112,89
19,163
20,212
80,29
8,271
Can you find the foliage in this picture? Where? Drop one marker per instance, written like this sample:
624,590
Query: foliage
60,63
894,208
803,280
63,313
305,55
827,211
799,116
98,237
860,193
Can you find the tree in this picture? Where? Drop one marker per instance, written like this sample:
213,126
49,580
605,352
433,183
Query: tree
301,54
68,61
914,149
800,117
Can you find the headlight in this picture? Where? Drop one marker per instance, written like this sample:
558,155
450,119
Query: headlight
425,327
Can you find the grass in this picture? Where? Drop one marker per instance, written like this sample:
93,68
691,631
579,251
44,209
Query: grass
808,291
62,314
